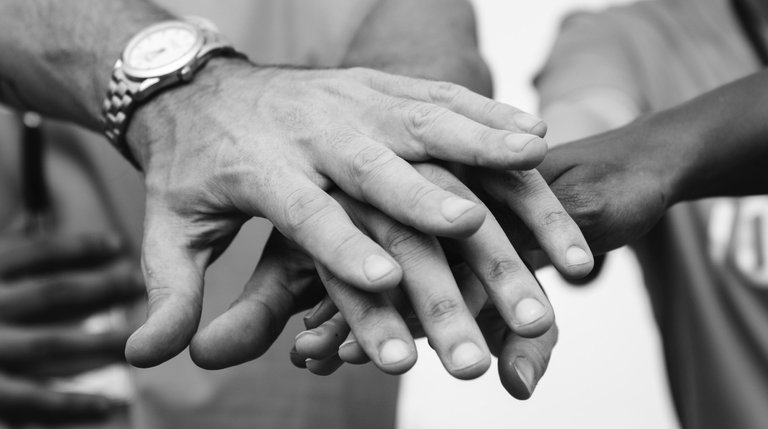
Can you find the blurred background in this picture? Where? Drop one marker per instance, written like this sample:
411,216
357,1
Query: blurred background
607,369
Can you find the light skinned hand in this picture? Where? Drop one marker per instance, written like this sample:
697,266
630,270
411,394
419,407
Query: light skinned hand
522,361
280,283
48,285
243,141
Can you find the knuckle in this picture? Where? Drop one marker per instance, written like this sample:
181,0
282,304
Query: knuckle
405,244
367,313
369,162
345,243
501,267
586,207
555,218
444,93
525,182
418,194
301,206
421,119
442,309
483,134
495,109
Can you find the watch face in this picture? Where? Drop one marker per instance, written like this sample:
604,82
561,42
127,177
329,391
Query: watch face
161,49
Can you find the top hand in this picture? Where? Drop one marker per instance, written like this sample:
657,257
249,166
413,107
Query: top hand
242,141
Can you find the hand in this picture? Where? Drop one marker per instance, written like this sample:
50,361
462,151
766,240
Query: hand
46,286
616,186
280,283
242,141
522,361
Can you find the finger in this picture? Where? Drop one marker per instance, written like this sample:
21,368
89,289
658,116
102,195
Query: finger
72,294
323,341
376,324
511,286
443,134
28,347
433,294
323,311
386,181
529,197
297,359
458,99
43,255
317,223
254,321
325,366
350,351
523,361
173,273
472,291
25,402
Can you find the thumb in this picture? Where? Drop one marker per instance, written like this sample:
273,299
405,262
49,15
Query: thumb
173,273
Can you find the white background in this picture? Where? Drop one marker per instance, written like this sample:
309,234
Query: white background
607,370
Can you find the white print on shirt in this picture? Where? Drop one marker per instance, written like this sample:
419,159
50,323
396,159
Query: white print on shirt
738,229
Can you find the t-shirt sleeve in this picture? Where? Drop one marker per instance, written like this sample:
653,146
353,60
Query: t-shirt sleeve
590,54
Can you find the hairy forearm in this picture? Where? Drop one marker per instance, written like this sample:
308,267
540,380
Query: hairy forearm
720,141
56,56
431,39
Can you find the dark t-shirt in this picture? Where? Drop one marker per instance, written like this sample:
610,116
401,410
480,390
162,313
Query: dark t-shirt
706,264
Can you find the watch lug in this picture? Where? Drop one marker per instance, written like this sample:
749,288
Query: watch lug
147,83
187,73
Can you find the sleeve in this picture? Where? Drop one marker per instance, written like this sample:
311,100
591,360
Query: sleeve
592,54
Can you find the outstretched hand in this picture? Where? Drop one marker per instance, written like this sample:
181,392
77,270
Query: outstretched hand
243,141
282,285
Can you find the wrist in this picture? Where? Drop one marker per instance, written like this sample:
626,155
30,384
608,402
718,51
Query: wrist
156,120
673,154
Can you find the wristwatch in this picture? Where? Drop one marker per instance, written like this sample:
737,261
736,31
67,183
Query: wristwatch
162,55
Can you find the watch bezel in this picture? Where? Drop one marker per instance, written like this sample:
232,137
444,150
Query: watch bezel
167,69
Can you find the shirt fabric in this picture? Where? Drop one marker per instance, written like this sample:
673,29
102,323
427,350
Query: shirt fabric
268,392
706,263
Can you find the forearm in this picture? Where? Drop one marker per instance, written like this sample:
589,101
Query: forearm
719,141
432,39
56,56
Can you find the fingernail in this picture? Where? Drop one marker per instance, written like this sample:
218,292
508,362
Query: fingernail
518,142
394,351
576,256
303,334
526,373
454,207
297,359
376,267
347,343
529,310
466,355
136,333
311,313
530,123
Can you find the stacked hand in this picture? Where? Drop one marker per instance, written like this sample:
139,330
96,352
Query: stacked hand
244,141
47,286
490,271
